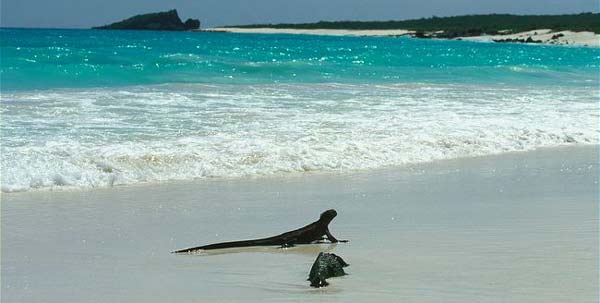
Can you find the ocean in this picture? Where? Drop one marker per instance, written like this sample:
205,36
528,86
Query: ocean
84,109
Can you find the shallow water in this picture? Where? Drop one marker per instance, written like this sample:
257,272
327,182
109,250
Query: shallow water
88,108
519,227
51,58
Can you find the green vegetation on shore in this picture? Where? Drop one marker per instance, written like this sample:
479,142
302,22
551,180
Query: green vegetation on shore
469,25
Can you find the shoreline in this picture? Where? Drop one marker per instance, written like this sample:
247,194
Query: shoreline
514,227
539,36
290,175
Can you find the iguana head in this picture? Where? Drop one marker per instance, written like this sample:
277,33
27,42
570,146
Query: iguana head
328,215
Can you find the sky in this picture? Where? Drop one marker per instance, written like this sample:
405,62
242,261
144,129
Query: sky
88,13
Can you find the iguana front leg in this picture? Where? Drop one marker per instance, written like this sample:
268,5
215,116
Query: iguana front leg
332,238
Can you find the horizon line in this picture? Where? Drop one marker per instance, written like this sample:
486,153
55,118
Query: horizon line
312,22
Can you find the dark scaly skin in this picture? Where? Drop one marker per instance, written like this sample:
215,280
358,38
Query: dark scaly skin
315,231
325,267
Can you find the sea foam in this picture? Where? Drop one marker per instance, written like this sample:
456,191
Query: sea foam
85,138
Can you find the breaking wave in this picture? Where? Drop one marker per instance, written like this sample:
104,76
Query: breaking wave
85,138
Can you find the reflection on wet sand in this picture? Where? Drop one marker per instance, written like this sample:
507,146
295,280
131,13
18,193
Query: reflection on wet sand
301,249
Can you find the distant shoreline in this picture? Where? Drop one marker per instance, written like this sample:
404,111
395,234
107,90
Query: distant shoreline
570,29
538,36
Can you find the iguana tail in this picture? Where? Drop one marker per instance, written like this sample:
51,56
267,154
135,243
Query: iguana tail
244,243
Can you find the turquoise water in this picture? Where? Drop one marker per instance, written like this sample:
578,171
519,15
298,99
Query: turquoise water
42,59
91,108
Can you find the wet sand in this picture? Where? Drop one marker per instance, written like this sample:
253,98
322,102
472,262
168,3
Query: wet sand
519,227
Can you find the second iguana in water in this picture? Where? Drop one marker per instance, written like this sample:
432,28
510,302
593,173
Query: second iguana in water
326,266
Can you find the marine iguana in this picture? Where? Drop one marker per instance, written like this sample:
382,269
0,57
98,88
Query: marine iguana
326,266
310,233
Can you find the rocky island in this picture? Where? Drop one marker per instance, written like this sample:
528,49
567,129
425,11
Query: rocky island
161,21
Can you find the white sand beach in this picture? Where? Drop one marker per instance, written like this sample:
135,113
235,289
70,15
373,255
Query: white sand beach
517,227
545,36
322,32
